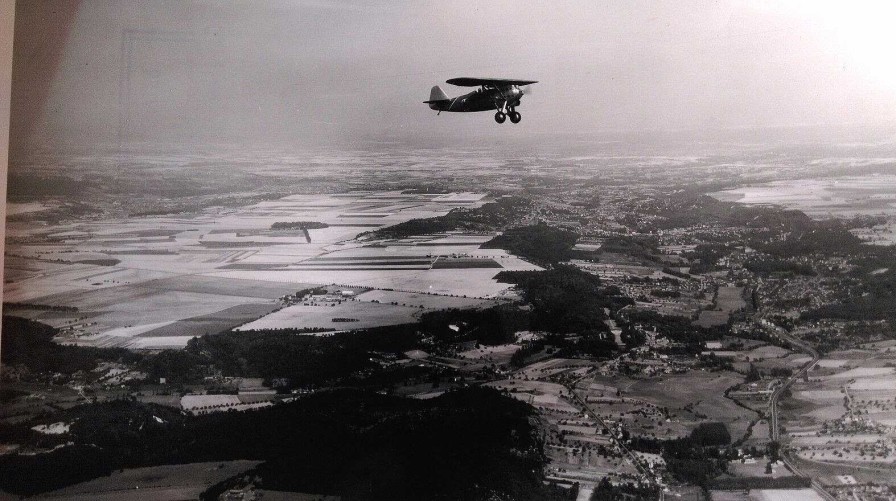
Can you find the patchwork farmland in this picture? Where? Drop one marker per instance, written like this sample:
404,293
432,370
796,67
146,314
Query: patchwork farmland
151,282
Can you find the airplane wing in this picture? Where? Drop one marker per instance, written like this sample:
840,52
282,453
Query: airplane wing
496,82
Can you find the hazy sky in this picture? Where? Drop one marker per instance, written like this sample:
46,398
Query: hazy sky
104,72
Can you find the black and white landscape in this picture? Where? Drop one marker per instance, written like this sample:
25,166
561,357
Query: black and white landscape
244,261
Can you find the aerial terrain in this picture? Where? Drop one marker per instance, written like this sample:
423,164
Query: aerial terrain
568,318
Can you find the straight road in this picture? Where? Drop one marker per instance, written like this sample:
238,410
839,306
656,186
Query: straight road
775,428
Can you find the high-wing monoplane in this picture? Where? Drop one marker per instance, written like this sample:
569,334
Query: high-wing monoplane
499,94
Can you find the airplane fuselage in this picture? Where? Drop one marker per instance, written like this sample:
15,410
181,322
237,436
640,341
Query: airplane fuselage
501,95
481,100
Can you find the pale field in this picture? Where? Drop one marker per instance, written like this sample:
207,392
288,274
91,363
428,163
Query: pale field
144,343
173,305
15,208
882,234
880,345
833,440
868,384
863,372
551,366
427,301
59,428
322,315
819,396
824,362
768,351
585,492
827,412
730,496
71,280
730,298
191,402
872,399
784,495
213,323
845,196
129,332
156,483
500,354
856,356
472,282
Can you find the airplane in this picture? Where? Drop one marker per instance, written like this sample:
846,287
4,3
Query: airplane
493,94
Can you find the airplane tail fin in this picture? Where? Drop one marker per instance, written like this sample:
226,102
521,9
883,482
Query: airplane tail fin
436,96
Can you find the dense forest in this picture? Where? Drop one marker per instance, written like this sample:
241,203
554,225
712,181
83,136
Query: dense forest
540,243
472,443
296,360
565,299
490,326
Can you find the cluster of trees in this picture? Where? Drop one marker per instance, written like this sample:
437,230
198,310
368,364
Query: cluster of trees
713,362
678,329
39,307
749,483
606,491
593,344
542,244
696,459
641,247
705,256
473,443
490,326
769,266
299,225
488,217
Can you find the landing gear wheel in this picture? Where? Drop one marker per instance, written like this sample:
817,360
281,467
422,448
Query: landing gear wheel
515,117
500,117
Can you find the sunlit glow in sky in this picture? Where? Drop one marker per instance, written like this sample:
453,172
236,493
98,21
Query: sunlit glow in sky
862,32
